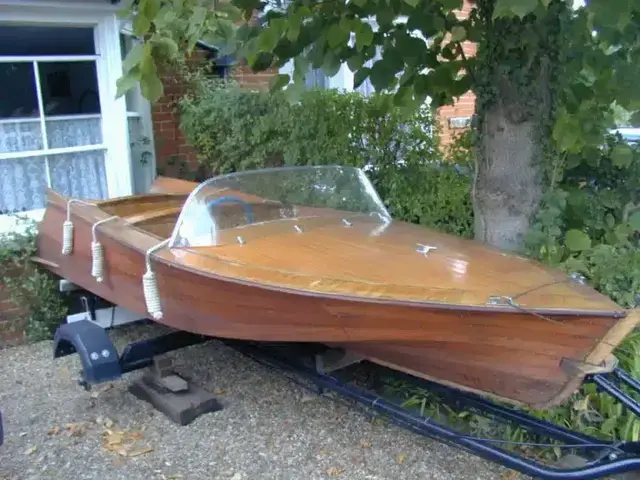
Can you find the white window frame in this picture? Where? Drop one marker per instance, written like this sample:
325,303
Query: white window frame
115,136
142,108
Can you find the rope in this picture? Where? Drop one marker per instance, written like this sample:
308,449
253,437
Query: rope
150,284
97,251
67,227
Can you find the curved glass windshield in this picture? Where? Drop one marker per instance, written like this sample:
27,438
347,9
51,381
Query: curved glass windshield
232,208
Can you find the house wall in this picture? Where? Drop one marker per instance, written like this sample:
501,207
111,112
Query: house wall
172,149
12,320
455,118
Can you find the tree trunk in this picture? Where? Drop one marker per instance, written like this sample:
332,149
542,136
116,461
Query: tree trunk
508,187
515,83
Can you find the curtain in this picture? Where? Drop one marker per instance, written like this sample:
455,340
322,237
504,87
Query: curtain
23,180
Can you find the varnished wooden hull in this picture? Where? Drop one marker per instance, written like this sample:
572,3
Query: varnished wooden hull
509,354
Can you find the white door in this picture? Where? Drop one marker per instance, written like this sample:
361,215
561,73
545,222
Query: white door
60,125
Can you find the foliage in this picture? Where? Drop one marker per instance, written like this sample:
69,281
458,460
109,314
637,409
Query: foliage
598,74
169,29
327,127
590,222
588,226
30,287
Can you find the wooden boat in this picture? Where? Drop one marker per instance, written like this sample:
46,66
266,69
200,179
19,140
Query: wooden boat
310,254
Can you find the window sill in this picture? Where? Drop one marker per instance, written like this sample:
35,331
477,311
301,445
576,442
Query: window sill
15,223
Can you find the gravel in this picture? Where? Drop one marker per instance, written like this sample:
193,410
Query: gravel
270,428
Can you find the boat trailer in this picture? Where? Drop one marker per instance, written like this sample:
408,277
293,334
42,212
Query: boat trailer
101,362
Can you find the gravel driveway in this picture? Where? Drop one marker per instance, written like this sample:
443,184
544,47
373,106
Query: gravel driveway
270,427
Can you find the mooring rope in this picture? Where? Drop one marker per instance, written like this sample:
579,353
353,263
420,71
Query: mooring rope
150,283
97,251
67,227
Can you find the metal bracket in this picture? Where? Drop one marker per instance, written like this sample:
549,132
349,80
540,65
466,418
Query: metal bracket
89,304
425,249
502,301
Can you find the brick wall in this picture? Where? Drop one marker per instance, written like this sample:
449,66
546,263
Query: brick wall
172,149
12,320
455,118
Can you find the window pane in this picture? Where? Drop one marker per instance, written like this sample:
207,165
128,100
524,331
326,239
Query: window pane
69,88
74,131
22,184
22,135
33,40
79,175
18,97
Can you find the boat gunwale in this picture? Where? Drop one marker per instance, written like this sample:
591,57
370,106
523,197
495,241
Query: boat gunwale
90,213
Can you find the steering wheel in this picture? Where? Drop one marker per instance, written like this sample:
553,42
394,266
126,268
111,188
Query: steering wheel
248,210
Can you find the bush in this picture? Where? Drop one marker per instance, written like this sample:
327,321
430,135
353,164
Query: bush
29,286
234,129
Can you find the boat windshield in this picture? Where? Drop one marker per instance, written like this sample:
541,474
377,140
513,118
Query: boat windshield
229,209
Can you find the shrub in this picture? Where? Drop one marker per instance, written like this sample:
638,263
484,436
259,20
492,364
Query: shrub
234,129
588,223
30,287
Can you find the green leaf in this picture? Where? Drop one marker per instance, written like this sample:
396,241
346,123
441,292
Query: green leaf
451,4
268,39
231,11
364,36
403,97
300,68
151,86
382,74
294,26
167,45
421,85
134,57
577,240
458,33
150,8
360,76
510,8
331,64
635,118
621,156
337,35
141,24
634,221
566,132
412,3
609,425
127,82
355,62
277,82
